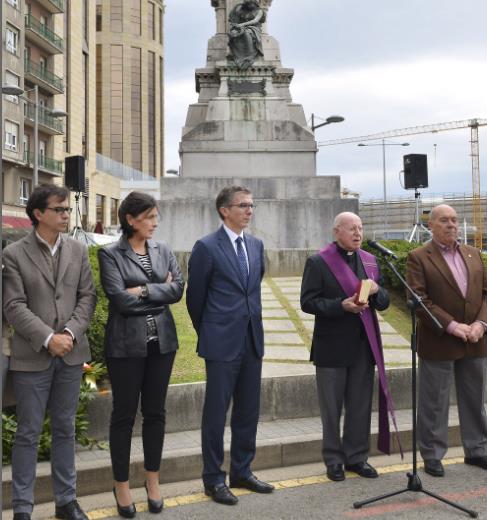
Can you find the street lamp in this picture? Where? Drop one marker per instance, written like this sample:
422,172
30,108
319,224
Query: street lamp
328,121
15,90
384,188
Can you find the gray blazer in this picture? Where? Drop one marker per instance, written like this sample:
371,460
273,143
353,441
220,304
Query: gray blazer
126,329
36,306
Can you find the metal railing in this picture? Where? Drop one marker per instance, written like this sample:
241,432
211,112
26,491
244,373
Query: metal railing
120,170
42,30
46,163
44,117
42,73
58,3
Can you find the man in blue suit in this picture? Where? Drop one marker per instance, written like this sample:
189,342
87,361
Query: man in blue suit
223,299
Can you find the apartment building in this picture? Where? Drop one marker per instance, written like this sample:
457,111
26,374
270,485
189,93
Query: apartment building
49,51
129,82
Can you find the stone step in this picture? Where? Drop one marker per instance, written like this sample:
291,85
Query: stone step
280,443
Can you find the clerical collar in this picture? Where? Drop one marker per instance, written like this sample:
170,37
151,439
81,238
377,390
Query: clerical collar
344,252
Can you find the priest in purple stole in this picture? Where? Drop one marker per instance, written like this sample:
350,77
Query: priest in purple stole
346,347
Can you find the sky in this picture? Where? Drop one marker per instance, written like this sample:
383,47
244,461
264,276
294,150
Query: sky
381,65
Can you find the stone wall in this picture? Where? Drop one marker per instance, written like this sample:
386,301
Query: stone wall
291,213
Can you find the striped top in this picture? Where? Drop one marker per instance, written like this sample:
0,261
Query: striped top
151,322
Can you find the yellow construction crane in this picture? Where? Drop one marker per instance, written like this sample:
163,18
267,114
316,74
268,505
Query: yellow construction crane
473,124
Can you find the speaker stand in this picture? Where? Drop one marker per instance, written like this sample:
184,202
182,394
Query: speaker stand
78,233
418,225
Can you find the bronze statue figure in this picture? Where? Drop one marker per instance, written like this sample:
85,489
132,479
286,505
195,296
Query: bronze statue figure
245,34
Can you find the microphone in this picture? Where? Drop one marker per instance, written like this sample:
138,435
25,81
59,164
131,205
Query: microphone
381,249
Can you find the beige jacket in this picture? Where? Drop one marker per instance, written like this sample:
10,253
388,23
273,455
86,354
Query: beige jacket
36,306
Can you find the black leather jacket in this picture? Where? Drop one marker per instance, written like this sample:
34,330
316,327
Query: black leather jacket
126,328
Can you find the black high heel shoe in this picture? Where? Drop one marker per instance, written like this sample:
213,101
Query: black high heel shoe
155,506
125,511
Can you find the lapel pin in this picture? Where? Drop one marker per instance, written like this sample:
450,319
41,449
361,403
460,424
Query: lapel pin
469,255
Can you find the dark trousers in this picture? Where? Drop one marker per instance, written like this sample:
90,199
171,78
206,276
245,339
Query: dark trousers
238,379
131,378
350,389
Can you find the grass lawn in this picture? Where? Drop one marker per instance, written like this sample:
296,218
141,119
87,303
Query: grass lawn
188,366
397,315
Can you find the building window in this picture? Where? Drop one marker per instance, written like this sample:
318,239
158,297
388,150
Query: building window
160,26
11,39
135,17
151,20
99,97
116,11
113,212
116,103
13,3
100,209
42,153
11,135
136,109
151,106
99,18
25,189
11,79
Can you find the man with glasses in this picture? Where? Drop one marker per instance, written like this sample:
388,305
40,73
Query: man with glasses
223,299
48,298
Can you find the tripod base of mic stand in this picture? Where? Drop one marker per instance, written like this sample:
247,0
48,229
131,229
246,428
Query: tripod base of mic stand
414,484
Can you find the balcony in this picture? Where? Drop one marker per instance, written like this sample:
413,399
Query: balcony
53,6
47,123
45,163
46,79
43,37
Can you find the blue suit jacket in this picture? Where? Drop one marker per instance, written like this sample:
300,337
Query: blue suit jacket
219,305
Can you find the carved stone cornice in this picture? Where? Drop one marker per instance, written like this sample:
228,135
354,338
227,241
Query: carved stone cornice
230,69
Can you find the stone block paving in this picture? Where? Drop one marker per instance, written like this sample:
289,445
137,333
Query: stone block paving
278,325
283,342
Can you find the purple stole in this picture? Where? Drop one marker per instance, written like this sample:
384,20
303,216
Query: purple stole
349,282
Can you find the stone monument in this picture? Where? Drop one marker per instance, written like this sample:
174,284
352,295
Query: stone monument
246,129
245,116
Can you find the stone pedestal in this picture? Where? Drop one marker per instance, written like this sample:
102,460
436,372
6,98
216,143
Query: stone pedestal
245,122
246,130
290,212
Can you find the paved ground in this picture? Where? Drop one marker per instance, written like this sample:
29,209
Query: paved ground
287,345
303,492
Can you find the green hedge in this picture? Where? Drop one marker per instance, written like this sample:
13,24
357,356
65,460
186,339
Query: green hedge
96,331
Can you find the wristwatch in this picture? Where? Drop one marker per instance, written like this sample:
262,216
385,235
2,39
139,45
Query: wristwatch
144,291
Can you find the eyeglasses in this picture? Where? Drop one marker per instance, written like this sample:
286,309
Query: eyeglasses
243,205
61,209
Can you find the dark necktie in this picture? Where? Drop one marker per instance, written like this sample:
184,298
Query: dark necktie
242,261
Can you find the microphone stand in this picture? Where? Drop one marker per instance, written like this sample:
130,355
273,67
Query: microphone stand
414,482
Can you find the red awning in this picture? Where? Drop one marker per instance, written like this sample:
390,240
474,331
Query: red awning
15,222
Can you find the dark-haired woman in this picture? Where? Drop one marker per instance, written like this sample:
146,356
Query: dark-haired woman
141,278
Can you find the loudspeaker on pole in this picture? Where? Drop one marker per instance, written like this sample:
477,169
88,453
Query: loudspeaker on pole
74,173
415,171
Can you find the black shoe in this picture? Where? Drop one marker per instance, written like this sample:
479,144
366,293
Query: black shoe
221,494
252,483
125,511
155,506
71,511
335,472
21,516
363,469
481,462
434,467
